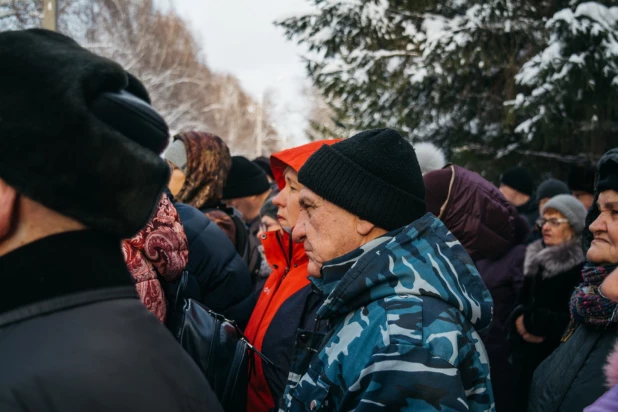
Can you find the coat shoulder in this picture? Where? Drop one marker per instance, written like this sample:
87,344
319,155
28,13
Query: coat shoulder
81,365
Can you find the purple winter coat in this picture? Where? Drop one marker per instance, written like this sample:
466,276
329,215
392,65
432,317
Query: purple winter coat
609,401
493,233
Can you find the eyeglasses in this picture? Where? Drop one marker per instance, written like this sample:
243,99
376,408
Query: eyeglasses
553,222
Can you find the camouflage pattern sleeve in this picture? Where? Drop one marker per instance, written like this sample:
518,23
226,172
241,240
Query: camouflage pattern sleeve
406,378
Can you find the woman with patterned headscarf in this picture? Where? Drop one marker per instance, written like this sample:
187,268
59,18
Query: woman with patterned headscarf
200,163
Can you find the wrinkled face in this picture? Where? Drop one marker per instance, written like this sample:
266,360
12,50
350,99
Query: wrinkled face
555,230
584,197
604,247
177,179
287,199
326,230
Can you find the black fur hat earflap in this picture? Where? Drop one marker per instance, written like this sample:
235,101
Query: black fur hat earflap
70,134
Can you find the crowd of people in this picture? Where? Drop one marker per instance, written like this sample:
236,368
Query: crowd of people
360,273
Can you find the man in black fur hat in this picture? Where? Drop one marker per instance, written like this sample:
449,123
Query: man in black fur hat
79,171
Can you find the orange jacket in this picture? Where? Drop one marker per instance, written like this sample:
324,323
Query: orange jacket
287,301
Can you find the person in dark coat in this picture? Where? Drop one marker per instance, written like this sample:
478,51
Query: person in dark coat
552,270
571,378
581,183
517,186
79,171
492,232
218,274
247,189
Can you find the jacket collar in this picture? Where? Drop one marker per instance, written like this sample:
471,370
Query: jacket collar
60,265
333,271
281,251
421,259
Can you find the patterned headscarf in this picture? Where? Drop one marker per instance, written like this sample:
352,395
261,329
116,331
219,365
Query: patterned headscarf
159,249
208,164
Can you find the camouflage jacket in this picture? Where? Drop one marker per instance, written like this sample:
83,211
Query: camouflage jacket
403,314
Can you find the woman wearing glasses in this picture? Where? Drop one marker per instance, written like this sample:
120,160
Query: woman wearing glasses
572,377
552,270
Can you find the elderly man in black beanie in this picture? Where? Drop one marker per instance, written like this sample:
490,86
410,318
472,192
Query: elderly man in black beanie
404,302
79,171
247,189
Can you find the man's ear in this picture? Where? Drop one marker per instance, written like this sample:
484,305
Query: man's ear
364,227
8,208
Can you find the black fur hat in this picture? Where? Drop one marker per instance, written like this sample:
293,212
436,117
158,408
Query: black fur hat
57,148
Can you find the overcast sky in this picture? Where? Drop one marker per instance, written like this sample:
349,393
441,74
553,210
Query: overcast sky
238,37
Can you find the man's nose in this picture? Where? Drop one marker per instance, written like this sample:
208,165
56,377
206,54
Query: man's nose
299,232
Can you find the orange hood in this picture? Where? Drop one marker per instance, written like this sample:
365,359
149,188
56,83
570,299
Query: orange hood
294,158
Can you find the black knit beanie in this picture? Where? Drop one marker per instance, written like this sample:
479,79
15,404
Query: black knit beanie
581,178
608,176
550,188
374,175
245,179
519,179
264,163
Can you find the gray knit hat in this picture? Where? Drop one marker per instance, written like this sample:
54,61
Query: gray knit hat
176,153
571,208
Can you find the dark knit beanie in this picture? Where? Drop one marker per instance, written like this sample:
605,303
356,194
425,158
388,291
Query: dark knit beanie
374,175
519,179
581,178
264,164
77,134
245,179
608,176
550,188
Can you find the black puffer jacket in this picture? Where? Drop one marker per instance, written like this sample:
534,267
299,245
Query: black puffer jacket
551,275
572,378
220,278
75,337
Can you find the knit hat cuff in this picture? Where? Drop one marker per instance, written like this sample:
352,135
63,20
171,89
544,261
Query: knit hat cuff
251,186
339,180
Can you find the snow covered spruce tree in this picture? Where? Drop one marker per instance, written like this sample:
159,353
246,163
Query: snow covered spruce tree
439,70
571,100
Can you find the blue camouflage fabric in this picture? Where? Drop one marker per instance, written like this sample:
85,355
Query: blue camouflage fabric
403,315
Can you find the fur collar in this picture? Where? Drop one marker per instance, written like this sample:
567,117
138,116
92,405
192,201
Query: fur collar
552,260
